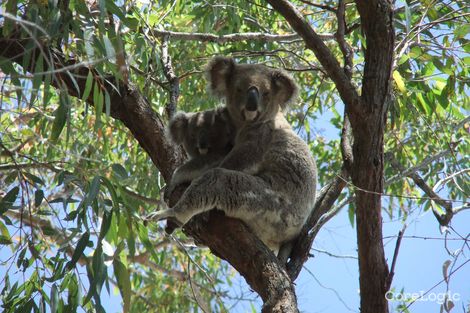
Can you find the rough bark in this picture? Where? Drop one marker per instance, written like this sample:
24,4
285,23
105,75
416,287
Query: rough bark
227,238
367,172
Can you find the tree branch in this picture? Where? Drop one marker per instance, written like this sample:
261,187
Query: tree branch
169,73
319,6
314,42
395,256
343,45
221,39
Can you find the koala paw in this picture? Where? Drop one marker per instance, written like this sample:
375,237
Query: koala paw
160,215
169,189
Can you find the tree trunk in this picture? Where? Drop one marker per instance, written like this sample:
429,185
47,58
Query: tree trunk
367,114
368,125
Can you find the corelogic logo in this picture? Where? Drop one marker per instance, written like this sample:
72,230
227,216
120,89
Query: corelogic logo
438,297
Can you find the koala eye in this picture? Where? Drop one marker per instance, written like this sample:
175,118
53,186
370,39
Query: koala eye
266,93
239,90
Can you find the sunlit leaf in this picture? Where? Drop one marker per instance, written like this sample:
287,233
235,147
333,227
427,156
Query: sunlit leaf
399,81
124,283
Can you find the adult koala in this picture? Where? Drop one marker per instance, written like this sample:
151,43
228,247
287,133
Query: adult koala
206,136
268,179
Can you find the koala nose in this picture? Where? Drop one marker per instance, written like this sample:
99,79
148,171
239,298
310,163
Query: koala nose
252,100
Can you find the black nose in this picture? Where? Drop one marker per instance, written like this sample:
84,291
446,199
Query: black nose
252,100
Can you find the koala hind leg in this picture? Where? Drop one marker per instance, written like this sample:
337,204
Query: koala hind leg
239,195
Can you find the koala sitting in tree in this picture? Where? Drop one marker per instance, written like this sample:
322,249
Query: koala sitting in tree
268,179
206,137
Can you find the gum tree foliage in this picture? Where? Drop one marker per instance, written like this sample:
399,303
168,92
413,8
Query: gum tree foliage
87,87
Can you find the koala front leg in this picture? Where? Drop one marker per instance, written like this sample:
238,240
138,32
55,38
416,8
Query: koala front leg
244,158
191,170
238,194
160,215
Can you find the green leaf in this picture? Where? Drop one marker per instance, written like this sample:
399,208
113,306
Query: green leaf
7,67
60,117
4,230
119,171
99,269
88,85
73,296
114,9
8,24
112,191
399,81
351,214
446,69
34,178
81,245
124,283
54,298
461,31
9,199
38,197
37,78
20,258
93,191
5,240
424,106
105,224
110,52
88,39
98,103
407,17
107,101
26,307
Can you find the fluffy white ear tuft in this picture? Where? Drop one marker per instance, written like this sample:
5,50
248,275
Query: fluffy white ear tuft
285,88
218,72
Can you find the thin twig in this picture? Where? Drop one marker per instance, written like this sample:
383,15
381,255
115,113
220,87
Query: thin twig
343,45
395,256
169,72
319,6
443,219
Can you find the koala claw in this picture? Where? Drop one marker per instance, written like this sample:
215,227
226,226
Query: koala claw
160,215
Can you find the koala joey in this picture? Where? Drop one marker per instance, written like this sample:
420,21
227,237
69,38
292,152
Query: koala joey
206,137
268,179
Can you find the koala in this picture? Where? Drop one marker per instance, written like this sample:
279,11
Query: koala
268,179
206,137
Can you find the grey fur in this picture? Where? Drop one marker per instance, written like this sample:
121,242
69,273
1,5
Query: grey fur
268,179
206,137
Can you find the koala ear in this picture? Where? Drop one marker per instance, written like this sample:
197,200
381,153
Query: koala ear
178,127
284,87
218,73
